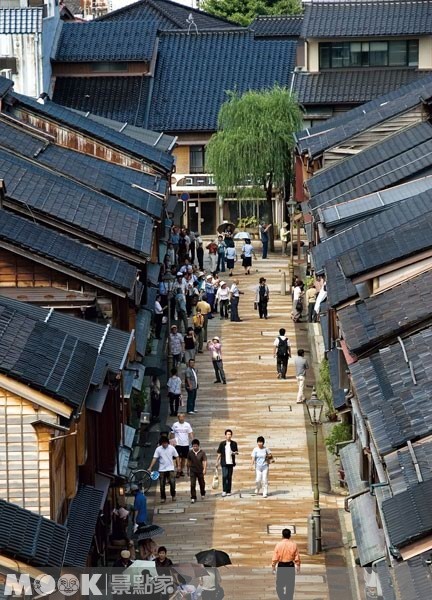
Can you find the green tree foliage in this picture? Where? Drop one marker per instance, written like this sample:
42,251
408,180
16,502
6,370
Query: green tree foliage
254,142
243,12
341,432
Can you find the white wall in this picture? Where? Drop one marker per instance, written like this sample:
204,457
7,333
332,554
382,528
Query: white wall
25,48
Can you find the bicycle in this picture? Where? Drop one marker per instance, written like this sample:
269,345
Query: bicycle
143,478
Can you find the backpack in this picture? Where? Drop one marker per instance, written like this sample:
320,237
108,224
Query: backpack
282,349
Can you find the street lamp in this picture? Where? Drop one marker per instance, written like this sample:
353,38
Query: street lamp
169,280
315,407
291,205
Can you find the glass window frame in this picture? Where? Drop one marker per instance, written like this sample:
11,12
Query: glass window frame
196,167
343,54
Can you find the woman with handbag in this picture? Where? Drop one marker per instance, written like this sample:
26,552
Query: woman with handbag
211,585
246,256
261,457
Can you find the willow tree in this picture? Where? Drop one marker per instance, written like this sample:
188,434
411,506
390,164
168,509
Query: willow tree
254,143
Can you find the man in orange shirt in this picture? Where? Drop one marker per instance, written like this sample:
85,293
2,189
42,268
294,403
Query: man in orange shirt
286,556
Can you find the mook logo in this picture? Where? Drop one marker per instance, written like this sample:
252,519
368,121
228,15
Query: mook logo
43,585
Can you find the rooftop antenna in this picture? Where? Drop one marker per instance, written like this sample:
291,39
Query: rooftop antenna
191,22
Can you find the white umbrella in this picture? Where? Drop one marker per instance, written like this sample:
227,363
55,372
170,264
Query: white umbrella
142,565
242,235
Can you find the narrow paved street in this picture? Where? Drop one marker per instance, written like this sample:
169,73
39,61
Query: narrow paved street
254,402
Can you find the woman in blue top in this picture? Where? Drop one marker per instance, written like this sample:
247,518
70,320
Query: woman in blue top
247,253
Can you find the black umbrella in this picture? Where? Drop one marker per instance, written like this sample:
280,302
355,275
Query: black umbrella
213,558
146,532
226,225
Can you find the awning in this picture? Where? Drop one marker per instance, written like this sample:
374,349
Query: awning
350,458
339,400
369,538
324,322
385,580
171,203
81,522
154,365
102,483
143,321
133,377
151,295
153,272
100,371
96,399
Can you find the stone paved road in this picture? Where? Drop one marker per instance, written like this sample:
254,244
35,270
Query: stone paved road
254,402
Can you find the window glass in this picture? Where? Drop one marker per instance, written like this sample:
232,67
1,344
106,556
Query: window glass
196,158
324,56
340,55
413,53
105,67
378,54
398,53
355,48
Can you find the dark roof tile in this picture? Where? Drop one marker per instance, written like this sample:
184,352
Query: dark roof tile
367,19
81,523
195,71
45,358
339,287
279,26
27,536
397,409
5,86
21,20
93,41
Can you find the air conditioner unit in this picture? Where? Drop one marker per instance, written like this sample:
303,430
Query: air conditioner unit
6,73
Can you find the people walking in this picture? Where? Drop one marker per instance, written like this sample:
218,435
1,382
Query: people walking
158,316
311,295
247,253
140,506
212,254
297,307
222,297
176,345
215,349
261,457
205,308
197,469
189,345
191,385
221,254
262,296
174,384
301,366
226,458
281,352
235,299
183,434
168,459
231,258
284,234
264,235
210,291
155,397
198,321
180,304
286,558
200,254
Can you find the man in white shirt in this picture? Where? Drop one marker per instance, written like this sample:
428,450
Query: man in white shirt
158,316
235,299
166,455
183,434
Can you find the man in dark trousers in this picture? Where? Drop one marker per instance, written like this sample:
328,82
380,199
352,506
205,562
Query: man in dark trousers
281,352
197,469
226,454
287,559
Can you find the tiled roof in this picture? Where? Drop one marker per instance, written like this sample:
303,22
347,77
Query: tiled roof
316,140
280,26
54,111
81,523
53,196
119,98
103,176
397,409
406,240
339,287
352,177
408,516
195,71
367,19
106,41
5,86
27,536
386,315
413,579
45,358
21,20
153,272
338,393
385,579
373,226
115,343
355,86
166,14
61,250
401,469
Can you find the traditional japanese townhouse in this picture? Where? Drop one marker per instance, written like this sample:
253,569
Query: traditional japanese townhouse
354,51
173,82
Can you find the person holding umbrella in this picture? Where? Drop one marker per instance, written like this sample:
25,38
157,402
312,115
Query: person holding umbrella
211,583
